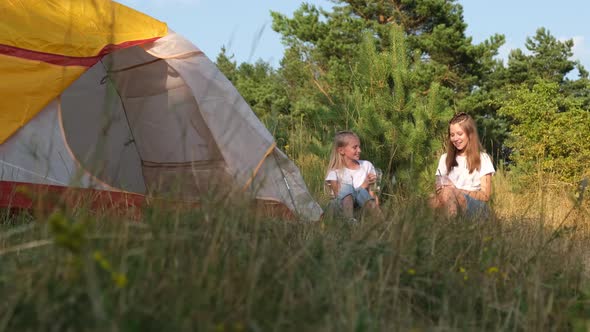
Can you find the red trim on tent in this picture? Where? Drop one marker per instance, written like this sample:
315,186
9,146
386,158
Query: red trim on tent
42,197
64,60
21,195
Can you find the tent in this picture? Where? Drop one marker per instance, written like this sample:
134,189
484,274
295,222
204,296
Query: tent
98,97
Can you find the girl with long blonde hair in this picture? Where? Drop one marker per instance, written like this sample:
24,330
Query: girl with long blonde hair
348,177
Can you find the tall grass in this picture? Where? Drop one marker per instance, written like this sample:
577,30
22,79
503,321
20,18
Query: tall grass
224,269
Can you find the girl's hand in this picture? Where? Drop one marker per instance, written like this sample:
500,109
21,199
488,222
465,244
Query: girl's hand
439,188
369,180
449,187
442,181
334,187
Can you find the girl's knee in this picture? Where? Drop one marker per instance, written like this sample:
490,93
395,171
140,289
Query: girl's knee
462,201
435,202
371,204
347,201
447,195
347,198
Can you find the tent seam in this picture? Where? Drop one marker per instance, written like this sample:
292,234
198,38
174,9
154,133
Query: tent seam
129,126
73,156
266,154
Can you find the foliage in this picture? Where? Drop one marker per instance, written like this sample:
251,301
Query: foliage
328,48
550,60
399,125
324,46
548,131
229,269
376,71
262,88
434,28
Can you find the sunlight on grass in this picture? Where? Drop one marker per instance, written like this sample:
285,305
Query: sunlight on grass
220,268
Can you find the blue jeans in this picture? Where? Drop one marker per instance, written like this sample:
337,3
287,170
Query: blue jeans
476,208
360,196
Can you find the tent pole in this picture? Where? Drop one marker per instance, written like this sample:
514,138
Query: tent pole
286,182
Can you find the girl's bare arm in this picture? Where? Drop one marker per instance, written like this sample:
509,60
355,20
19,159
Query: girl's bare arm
485,192
335,187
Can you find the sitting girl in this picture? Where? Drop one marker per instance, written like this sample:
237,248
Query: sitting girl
464,174
349,177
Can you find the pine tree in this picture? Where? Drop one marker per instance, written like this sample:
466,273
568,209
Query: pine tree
400,126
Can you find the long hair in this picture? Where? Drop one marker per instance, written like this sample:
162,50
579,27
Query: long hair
341,139
473,148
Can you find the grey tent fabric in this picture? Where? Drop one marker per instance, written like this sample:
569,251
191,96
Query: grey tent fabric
38,153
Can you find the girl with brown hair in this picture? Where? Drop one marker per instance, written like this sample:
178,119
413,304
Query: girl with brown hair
464,173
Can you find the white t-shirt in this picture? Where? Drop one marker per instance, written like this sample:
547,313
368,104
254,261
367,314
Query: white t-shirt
356,177
460,174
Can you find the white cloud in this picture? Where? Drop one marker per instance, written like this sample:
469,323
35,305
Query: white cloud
508,47
581,50
504,51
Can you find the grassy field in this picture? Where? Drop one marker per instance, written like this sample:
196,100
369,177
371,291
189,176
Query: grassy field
221,269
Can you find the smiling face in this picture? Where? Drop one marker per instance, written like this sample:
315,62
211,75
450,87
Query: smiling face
351,152
459,138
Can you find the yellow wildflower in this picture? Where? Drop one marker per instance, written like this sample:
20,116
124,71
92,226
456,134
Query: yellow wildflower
120,280
492,270
463,272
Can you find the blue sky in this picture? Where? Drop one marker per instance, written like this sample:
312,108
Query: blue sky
244,27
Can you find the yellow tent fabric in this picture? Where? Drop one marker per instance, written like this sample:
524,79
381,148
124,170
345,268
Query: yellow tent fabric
46,45
26,87
79,28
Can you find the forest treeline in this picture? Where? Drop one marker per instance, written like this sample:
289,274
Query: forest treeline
395,72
